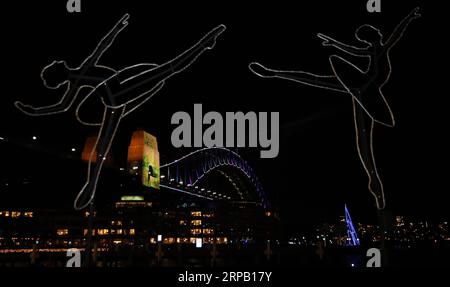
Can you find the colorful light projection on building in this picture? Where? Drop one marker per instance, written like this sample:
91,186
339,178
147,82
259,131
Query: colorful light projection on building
143,158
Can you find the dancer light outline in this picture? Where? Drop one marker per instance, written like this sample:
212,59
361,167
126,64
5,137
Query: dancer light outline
359,86
121,92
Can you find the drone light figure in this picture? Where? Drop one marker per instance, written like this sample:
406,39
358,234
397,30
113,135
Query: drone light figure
364,87
121,92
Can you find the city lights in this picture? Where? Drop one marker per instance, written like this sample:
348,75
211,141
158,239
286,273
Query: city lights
198,243
255,176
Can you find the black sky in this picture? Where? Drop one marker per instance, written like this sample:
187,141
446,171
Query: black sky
317,170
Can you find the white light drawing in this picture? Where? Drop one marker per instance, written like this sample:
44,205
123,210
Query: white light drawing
121,92
364,87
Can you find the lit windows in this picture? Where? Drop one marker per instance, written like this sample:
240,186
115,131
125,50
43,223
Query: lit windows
123,204
208,231
196,222
62,232
169,240
103,231
221,240
85,232
16,214
86,213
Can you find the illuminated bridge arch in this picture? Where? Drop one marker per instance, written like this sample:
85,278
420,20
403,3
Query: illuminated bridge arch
189,173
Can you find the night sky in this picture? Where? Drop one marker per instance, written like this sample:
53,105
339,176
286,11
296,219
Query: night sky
317,170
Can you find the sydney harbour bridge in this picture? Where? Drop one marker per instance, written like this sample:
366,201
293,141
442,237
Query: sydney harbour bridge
188,173
211,173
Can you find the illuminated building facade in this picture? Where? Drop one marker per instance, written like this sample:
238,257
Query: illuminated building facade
133,222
